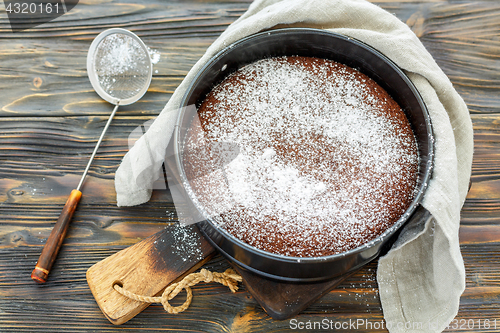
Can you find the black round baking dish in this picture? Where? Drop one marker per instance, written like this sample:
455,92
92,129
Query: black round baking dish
327,45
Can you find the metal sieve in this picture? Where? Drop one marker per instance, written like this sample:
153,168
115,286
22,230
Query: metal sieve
120,70
119,66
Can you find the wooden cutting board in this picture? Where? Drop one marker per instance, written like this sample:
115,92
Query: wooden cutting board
282,300
149,266
146,268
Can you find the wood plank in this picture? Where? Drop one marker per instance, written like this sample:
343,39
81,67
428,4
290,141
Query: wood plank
92,16
461,39
61,89
50,117
354,296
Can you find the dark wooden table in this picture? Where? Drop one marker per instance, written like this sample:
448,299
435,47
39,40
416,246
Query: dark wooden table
51,118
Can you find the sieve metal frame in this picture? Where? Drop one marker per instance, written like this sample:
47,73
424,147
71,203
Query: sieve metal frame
91,71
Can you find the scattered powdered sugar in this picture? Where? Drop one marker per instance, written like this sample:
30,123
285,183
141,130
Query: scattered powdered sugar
327,159
186,243
155,55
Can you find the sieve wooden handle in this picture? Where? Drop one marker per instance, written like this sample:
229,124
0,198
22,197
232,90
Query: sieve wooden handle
54,242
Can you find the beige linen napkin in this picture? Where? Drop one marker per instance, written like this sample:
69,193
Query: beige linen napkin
422,277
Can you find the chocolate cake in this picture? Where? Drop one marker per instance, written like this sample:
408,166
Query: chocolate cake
327,160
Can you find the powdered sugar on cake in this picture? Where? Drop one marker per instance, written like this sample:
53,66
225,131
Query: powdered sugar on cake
327,159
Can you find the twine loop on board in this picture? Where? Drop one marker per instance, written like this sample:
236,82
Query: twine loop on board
229,279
